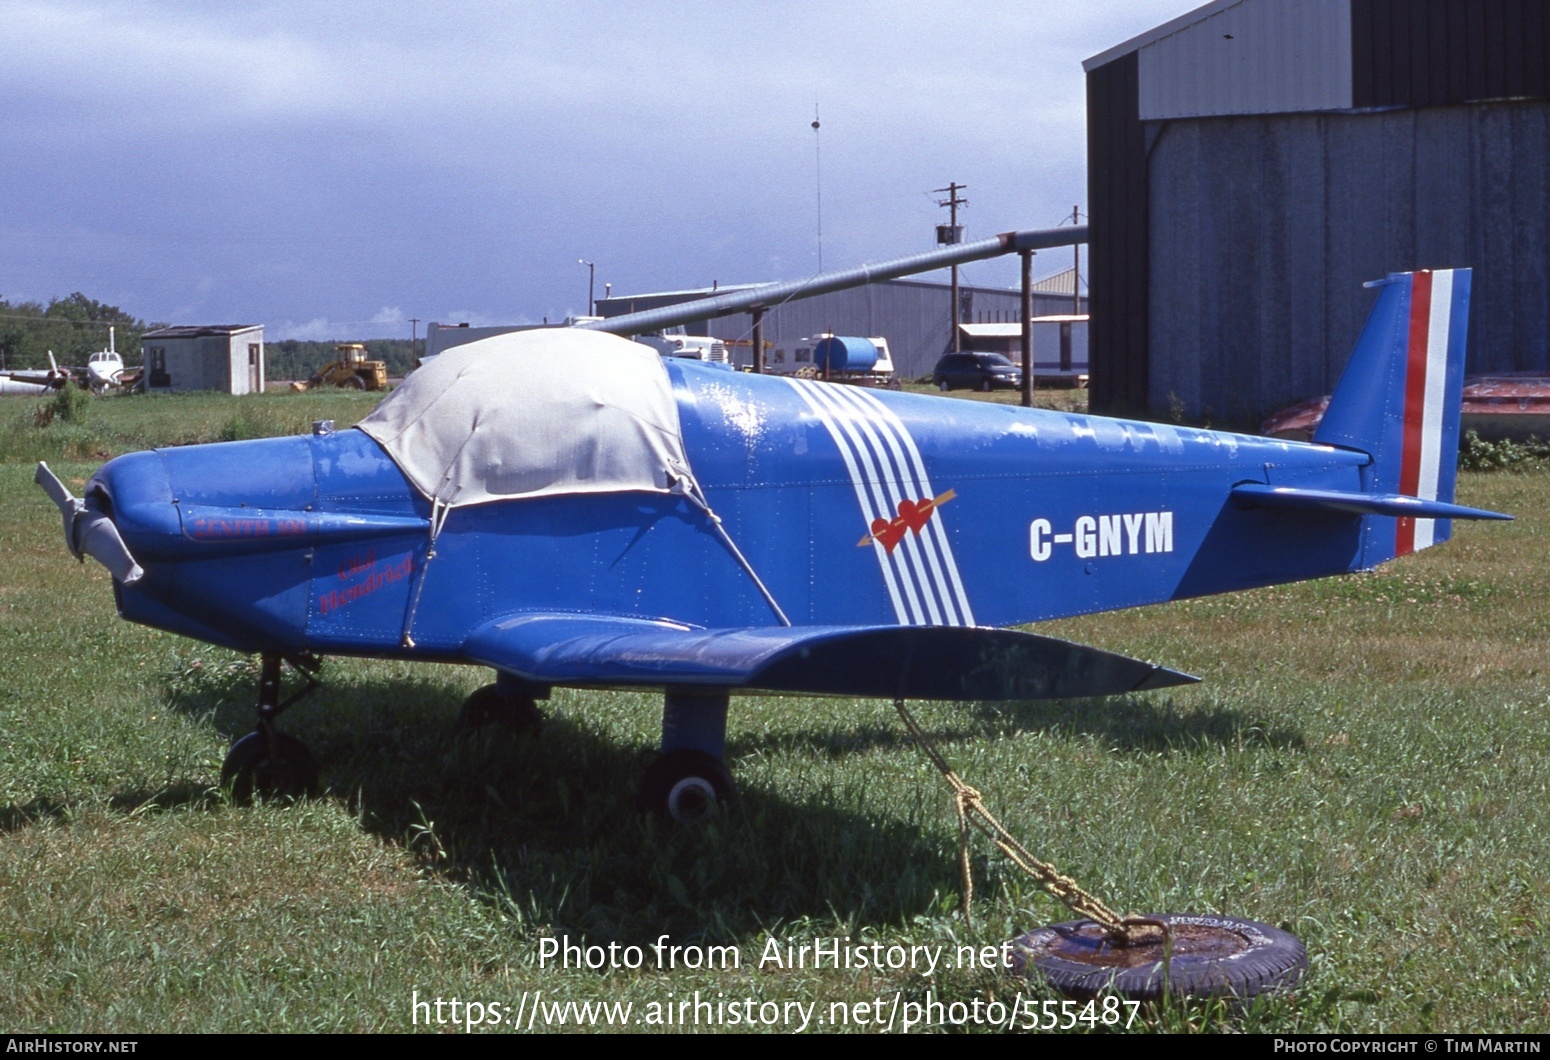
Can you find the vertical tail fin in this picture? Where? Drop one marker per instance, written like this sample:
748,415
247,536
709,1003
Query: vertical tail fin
1399,401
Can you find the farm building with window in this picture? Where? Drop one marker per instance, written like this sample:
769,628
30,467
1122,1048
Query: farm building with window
225,357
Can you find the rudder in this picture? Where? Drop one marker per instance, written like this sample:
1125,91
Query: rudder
1399,401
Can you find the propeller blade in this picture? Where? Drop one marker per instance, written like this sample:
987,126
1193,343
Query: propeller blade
101,541
69,506
88,531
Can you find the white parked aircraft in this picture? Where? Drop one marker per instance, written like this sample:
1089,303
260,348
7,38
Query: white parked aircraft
105,368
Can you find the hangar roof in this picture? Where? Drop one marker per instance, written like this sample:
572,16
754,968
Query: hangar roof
195,331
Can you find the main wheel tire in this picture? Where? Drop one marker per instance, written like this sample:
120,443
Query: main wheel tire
355,382
277,767
1212,956
686,786
490,706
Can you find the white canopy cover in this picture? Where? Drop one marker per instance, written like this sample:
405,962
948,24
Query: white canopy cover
534,414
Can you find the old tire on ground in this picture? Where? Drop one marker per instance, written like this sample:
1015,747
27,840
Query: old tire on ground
490,706
276,767
1212,957
686,786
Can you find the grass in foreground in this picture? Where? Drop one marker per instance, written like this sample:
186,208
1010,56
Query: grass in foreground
1365,763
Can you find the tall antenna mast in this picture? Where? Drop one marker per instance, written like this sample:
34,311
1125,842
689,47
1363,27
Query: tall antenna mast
818,180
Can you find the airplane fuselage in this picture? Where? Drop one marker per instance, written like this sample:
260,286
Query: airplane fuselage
854,507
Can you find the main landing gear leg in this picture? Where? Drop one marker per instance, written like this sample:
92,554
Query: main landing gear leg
689,781
510,703
267,763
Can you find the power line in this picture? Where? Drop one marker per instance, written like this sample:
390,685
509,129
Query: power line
70,320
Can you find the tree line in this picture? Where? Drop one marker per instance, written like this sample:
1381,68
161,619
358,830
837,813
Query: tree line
73,327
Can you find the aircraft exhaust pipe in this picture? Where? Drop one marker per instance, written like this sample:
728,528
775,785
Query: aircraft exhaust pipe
89,532
770,295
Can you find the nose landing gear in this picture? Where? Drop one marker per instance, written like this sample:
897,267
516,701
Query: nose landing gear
268,764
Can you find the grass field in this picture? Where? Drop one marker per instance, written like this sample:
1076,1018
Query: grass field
1367,763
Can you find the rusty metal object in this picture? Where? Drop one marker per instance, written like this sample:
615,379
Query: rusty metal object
1197,956
1515,406
1511,405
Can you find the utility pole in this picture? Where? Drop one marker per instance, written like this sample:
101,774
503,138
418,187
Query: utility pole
818,179
952,234
414,340
591,277
758,341
1076,267
1027,256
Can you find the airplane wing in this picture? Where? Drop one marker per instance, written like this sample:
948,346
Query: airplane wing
913,662
54,376
36,377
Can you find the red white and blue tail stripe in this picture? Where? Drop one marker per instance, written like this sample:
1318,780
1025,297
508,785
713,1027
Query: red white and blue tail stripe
1399,400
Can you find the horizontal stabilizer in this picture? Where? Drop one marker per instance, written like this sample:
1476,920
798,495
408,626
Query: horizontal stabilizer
1254,494
913,662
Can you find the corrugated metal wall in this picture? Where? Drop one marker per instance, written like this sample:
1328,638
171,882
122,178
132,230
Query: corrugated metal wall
1257,57
1117,237
1429,52
1264,228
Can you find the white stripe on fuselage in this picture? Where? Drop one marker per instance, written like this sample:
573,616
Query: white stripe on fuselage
952,587
885,493
1437,328
885,469
896,467
863,499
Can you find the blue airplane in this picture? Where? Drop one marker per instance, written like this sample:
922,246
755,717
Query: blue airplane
568,508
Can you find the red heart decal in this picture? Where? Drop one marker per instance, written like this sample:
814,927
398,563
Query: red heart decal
888,532
916,514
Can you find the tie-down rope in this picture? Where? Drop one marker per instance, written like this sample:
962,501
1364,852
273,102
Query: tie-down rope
970,805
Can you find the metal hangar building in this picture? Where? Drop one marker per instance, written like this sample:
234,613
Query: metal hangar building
1253,162
913,315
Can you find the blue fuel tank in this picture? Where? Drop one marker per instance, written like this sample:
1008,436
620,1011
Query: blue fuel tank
843,354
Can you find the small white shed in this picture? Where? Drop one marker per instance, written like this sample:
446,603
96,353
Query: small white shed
226,357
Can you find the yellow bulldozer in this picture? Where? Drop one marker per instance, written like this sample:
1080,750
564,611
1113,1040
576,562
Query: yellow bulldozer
352,370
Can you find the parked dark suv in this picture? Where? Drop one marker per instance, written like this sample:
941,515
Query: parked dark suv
976,371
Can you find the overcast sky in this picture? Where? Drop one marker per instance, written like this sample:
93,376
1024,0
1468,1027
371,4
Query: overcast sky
332,170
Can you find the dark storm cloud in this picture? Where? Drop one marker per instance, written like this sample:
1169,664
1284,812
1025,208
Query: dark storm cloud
335,173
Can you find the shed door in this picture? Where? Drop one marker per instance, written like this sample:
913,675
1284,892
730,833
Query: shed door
254,385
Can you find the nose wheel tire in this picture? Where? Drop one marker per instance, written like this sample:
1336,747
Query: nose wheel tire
490,706
274,767
686,786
